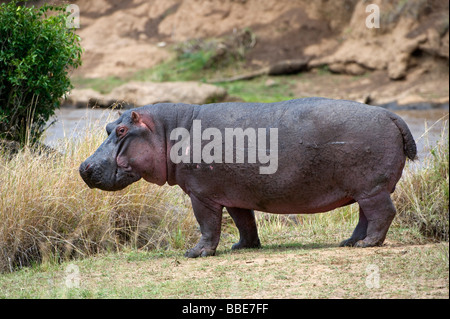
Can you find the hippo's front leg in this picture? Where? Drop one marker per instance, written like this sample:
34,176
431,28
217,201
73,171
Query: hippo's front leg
209,217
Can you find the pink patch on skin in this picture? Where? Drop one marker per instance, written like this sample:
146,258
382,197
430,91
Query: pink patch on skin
121,162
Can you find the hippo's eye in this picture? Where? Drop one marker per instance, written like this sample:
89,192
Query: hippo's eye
121,131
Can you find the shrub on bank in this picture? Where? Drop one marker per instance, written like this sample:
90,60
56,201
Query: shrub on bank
37,51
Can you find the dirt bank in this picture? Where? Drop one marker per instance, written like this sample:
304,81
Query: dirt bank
409,47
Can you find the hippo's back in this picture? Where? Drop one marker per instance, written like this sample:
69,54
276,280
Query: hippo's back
329,153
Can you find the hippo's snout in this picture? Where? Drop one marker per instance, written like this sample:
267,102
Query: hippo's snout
86,174
94,176
106,176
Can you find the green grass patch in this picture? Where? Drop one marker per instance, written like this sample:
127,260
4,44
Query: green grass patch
193,60
265,89
203,60
102,85
185,67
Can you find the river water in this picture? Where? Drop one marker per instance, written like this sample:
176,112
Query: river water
426,125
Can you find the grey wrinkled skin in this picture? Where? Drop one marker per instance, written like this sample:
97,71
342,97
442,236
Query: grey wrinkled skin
331,153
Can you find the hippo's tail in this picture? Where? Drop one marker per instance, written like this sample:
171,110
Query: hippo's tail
409,145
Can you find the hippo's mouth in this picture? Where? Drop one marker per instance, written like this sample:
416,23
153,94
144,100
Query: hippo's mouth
124,177
96,177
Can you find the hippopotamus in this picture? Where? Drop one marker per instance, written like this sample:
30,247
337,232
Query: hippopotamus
301,156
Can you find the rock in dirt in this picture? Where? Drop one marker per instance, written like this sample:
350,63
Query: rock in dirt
134,94
142,93
403,42
88,98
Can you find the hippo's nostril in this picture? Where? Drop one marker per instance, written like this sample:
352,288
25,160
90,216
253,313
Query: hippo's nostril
86,174
84,170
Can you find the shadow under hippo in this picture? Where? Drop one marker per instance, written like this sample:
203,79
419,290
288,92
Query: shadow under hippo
301,156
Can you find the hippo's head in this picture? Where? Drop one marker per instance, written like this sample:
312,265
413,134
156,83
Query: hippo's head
133,150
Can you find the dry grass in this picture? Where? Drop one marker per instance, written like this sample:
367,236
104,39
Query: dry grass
422,196
47,213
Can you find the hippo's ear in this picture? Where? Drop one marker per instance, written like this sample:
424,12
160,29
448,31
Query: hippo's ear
135,117
143,120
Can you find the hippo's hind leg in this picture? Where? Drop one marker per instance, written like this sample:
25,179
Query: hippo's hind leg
246,224
379,212
359,233
209,218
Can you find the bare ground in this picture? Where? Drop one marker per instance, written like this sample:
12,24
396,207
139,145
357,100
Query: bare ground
309,271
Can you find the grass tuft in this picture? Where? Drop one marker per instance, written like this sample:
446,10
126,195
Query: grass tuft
422,195
48,214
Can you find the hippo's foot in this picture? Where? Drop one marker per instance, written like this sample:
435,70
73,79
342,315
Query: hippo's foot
244,244
359,233
350,242
353,242
368,243
375,217
199,252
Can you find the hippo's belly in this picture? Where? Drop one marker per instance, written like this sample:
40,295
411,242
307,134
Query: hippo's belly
288,191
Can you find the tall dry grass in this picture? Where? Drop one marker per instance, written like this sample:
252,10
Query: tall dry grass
47,213
422,195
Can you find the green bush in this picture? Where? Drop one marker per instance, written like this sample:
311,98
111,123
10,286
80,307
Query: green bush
37,52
